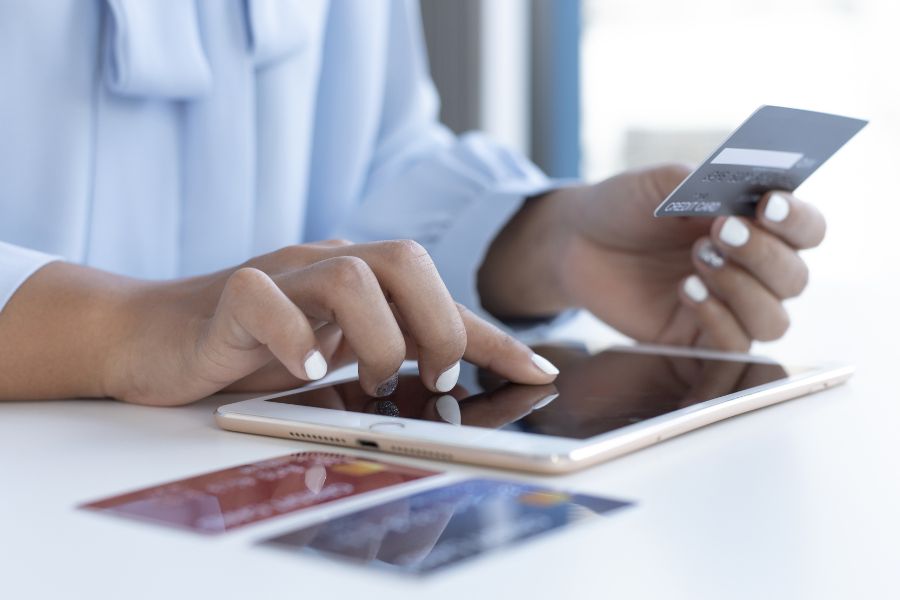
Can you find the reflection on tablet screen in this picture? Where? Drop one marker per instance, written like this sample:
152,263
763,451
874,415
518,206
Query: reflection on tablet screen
593,394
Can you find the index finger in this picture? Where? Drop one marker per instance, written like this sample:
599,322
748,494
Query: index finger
442,330
489,347
799,223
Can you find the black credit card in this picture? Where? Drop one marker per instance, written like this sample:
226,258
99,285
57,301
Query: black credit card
777,148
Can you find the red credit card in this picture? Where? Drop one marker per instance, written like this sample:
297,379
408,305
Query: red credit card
223,500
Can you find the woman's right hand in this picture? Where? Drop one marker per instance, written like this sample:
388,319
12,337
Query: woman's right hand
284,318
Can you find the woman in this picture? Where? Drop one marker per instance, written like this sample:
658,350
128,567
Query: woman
153,148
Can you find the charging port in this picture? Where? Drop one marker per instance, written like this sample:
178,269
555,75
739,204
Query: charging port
367,443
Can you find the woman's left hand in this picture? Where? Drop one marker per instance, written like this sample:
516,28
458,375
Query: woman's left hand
688,281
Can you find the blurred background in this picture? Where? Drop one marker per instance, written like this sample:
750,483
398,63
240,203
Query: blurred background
591,87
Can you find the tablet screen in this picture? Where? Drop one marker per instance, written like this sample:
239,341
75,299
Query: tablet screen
593,394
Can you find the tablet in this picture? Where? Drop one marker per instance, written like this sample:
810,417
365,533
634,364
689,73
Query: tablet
602,405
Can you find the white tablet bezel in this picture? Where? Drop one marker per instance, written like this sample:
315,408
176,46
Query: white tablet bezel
510,449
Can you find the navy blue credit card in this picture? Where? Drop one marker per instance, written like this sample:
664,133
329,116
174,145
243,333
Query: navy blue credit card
777,148
430,530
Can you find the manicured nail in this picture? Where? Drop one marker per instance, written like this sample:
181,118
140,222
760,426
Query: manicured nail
544,365
388,386
695,290
315,366
448,408
544,401
710,255
777,208
734,232
447,380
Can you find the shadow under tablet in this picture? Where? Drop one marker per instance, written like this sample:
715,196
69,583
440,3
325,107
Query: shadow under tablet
430,530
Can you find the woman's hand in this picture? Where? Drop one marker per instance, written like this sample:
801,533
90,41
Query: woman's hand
275,322
690,281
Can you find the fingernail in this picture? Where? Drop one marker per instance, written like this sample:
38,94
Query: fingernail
695,290
448,408
544,365
315,366
710,255
447,380
388,386
734,232
777,208
544,401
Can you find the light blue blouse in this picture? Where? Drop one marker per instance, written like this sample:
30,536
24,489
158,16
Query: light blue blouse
164,138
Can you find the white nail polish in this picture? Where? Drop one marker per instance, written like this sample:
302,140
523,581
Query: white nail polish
734,232
315,366
447,380
448,409
695,289
544,365
777,208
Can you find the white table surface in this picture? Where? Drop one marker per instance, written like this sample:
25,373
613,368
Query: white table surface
799,500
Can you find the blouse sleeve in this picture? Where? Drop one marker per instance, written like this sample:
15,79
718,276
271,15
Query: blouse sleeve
16,265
